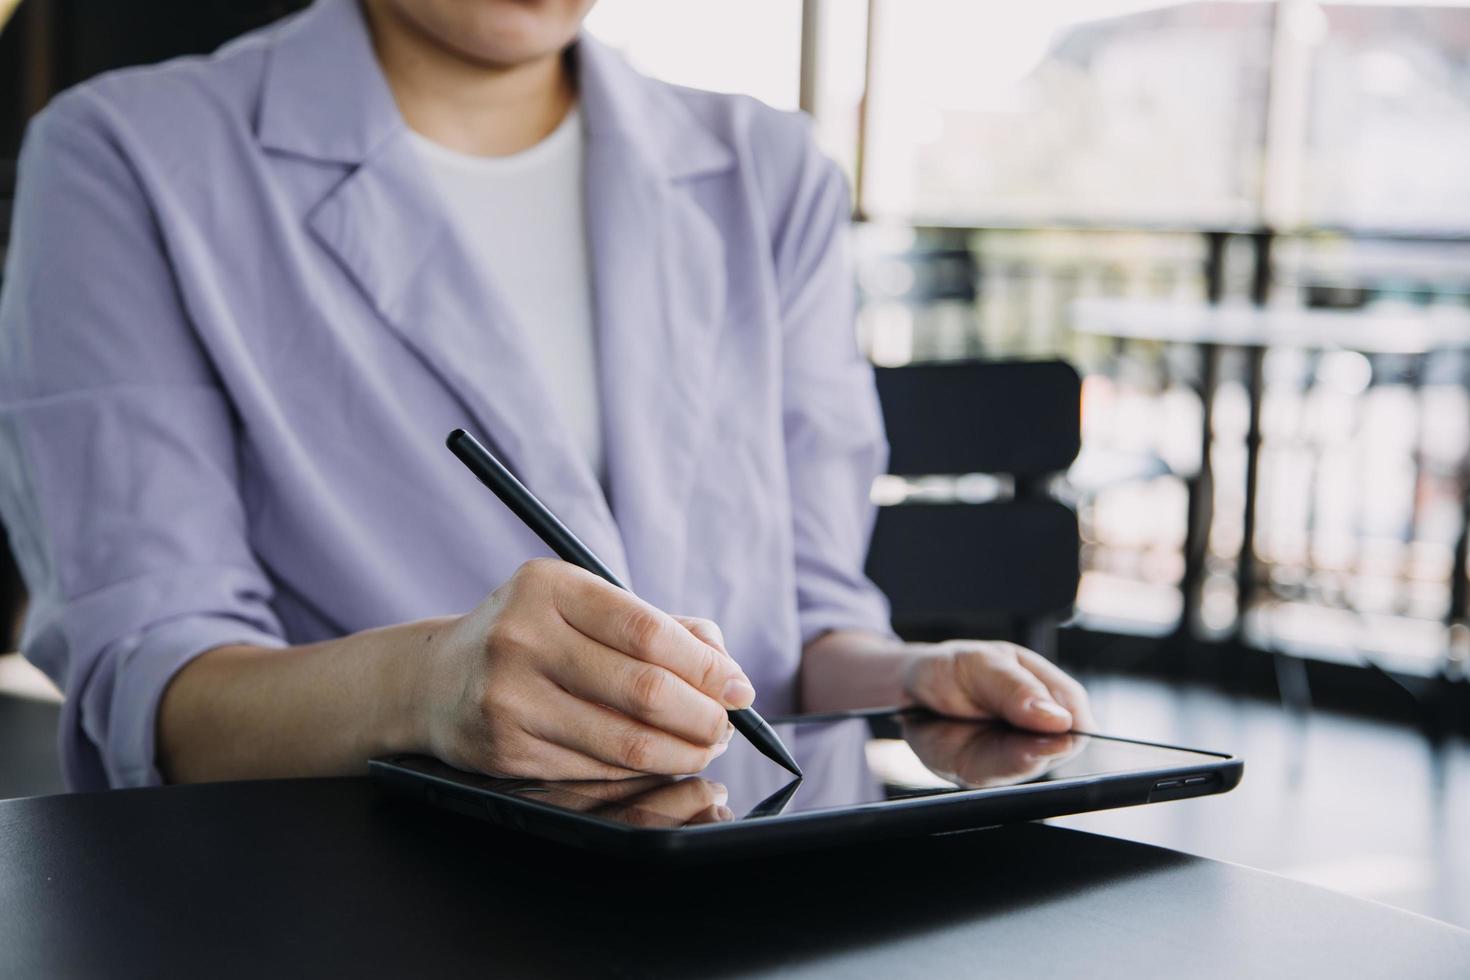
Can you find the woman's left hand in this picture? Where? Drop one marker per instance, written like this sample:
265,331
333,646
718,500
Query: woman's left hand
993,679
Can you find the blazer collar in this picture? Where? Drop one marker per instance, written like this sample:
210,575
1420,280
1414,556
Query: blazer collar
658,268
621,105
325,98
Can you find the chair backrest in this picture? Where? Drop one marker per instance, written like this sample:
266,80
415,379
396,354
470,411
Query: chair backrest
1006,568
1020,418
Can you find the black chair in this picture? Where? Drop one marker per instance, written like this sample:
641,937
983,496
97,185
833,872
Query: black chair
1006,568
12,589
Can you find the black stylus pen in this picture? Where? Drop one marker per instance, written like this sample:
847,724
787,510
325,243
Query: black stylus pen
568,547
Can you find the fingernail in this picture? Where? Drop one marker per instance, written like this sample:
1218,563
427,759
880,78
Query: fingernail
720,749
724,813
729,733
738,693
1046,707
722,793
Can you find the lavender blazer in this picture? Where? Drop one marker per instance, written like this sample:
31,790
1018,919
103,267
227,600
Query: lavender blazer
237,325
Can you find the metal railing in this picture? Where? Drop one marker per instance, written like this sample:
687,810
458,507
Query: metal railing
1342,462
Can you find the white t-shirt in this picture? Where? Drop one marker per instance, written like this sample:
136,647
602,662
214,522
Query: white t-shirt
523,217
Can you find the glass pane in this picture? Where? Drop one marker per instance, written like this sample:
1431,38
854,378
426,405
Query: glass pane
747,46
1087,110
1387,140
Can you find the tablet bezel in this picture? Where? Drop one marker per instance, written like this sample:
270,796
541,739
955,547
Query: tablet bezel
940,813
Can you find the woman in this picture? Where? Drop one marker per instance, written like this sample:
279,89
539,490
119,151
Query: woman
249,294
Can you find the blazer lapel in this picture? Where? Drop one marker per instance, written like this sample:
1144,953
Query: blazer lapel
659,282
386,225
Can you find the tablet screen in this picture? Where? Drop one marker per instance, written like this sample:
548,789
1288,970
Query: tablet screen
851,761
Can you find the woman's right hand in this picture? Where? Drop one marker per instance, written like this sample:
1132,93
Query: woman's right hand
560,675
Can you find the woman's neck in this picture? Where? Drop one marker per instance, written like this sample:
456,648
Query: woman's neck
469,106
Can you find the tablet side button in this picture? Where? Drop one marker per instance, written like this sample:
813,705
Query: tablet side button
1168,784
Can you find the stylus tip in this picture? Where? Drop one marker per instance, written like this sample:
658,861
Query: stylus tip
781,756
764,738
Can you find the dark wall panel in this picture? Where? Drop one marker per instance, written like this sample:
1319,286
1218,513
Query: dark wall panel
96,35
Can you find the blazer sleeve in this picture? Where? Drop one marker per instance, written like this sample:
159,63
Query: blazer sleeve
118,469
835,445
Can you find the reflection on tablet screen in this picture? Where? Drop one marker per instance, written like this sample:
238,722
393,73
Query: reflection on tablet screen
855,761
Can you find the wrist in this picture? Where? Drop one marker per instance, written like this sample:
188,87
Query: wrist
411,658
930,668
850,670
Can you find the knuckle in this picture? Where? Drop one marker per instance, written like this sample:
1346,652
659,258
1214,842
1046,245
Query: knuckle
1023,686
997,655
716,728
642,629
710,669
504,755
706,629
495,710
637,816
636,751
505,634
538,576
648,689
537,569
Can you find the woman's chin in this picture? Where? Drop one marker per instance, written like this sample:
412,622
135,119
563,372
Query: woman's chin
496,33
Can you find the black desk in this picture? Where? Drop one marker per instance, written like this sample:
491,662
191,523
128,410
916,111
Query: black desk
332,878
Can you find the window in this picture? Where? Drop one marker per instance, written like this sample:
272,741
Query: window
1386,102
1091,111
747,46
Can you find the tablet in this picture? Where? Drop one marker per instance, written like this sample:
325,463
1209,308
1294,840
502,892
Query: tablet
867,775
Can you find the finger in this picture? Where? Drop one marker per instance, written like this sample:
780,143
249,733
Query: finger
1064,688
1011,757
998,683
713,814
1048,748
705,630
979,755
999,762
611,790
1067,748
620,620
613,738
682,800
647,692
540,759
936,741
938,744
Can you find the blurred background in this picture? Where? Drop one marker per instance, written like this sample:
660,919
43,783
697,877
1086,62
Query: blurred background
1246,225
